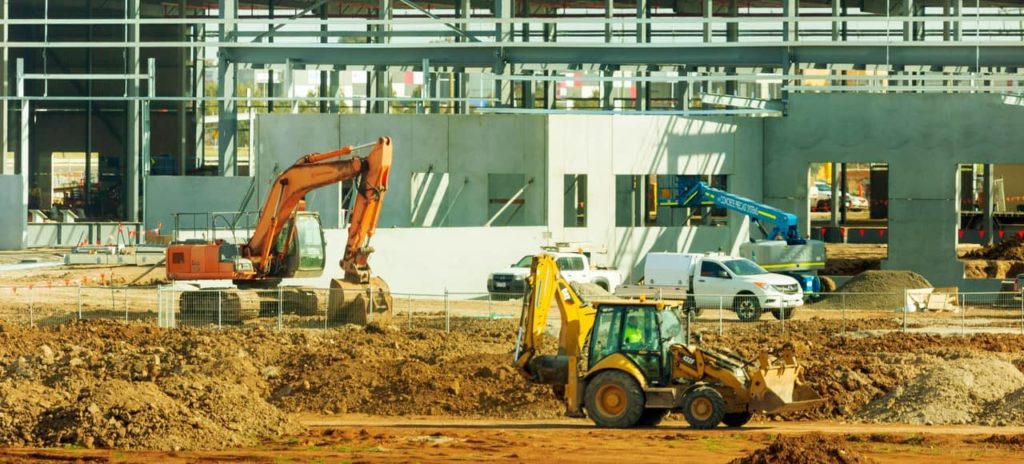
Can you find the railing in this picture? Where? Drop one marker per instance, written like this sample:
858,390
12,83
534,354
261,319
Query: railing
930,311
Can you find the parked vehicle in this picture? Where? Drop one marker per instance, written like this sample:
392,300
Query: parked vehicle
575,267
706,280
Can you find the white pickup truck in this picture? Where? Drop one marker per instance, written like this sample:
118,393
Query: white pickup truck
575,267
705,281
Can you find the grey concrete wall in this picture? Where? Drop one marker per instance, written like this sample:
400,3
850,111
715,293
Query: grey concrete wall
14,221
605,146
167,195
922,137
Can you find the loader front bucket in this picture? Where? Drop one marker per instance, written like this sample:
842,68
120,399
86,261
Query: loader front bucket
778,389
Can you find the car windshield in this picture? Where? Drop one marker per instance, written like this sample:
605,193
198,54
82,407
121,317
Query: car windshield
743,267
525,262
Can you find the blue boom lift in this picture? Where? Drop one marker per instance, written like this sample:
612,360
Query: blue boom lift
783,249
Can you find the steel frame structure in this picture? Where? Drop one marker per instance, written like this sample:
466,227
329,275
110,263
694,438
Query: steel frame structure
707,56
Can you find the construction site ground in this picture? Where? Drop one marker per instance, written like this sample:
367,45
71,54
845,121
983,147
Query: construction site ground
123,390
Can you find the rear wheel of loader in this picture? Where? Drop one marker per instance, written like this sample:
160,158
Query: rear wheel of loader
703,408
350,303
652,417
737,419
614,399
747,307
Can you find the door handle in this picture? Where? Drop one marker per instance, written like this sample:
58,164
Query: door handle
700,280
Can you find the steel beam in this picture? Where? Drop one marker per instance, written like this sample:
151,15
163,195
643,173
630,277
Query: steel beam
4,92
132,142
227,110
715,54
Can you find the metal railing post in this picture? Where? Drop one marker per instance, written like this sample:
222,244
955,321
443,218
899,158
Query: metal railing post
280,308
31,309
490,311
447,315
410,311
220,320
721,313
1022,312
125,290
782,320
843,313
906,310
79,301
369,298
963,316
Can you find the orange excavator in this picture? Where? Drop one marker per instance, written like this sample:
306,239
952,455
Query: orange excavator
289,242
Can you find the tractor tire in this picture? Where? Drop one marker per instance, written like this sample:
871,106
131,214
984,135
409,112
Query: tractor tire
652,417
786,314
614,399
827,284
704,408
747,307
737,419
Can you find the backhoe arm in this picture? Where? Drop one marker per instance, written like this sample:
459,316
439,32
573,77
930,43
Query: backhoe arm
312,172
546,283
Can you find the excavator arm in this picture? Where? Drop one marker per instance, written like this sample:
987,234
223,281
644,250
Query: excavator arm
312,172
546,283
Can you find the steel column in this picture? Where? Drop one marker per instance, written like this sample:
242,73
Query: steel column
227,108
986,206
4,92
132,149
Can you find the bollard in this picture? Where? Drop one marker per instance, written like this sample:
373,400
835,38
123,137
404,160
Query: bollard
447,316
79,301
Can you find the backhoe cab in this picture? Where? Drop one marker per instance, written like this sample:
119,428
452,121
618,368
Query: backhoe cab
628,363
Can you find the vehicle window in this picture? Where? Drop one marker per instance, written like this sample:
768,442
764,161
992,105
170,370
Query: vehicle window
744,267
710,269
605,338
527,261
309,242
227,253
570,263
641,329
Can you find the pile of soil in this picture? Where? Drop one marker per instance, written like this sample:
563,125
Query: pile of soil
806,449
1011,249
109,384
952,392
876,290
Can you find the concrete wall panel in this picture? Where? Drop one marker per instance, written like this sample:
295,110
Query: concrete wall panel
14,221
166,195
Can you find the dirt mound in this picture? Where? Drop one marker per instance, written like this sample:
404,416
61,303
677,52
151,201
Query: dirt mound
954,392
1012,249
805,449
1006,411
876,290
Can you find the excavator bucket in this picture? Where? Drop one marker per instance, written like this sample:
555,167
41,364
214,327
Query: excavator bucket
360,304
777,388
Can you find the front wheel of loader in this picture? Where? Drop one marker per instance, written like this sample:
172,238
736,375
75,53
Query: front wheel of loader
652,417
737,419
704,408
614,399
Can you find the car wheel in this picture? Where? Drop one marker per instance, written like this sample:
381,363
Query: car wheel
747,307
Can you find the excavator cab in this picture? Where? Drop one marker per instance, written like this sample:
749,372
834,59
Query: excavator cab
306,248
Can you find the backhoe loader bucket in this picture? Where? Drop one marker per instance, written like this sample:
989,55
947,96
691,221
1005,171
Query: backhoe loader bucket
351,303
777,387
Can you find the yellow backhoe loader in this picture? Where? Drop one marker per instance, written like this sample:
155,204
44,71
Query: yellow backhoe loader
628,363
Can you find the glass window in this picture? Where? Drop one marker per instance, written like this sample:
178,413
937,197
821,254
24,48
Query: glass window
228,253
743,267
605,338
527,261
310,243
570,263
710,269
641,330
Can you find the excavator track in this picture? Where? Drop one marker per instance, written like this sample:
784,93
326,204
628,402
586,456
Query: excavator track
351,303
223,307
